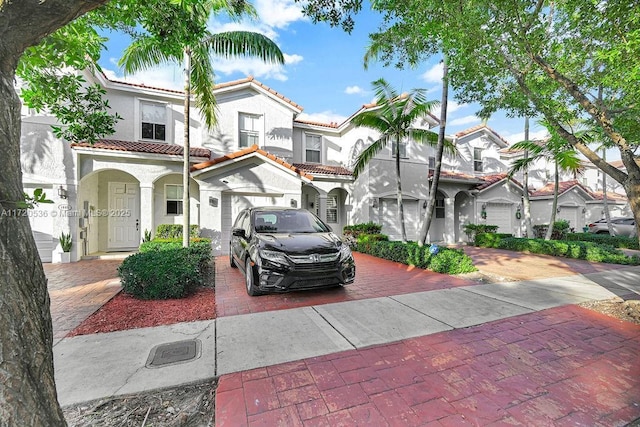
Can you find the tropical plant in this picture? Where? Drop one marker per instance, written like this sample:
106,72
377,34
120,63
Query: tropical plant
163,46
556,149
394,116
65,242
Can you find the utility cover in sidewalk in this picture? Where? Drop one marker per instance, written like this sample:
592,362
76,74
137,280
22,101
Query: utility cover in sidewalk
174,352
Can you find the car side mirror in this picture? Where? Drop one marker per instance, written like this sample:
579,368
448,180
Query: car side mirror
238,232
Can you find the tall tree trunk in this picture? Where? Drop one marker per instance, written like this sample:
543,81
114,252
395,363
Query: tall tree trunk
27,388
433,186
554,205
399,193
186,208
605,201
525,183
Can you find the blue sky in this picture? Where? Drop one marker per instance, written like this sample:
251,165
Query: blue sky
324,69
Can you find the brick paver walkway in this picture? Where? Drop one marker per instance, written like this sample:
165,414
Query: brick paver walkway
78,289
375,278
565,366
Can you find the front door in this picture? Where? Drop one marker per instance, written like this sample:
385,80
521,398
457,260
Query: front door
123,217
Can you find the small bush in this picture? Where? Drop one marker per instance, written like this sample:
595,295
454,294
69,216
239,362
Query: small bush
570,249
560,230
472,230
161,274
615,241
174,231
372,238
490,240
438,259
364,228
198,247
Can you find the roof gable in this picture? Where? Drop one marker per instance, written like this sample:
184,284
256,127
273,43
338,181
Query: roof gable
563,187
486,130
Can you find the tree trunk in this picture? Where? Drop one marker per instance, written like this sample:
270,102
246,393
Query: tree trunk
554,205
186,208
605,199
27,388
399,193
525,183
433,187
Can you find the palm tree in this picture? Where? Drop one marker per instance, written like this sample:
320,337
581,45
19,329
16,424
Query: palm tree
555,148
393,117
152,49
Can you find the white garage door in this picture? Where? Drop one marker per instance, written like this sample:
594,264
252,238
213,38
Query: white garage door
500,214
391,219
232,204
569,213
41,227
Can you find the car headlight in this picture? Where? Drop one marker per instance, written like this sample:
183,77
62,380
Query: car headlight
274,256
345,252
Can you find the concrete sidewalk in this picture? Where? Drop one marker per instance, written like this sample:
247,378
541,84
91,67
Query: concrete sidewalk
102,365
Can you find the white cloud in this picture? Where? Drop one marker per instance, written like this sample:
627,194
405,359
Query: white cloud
517,137
354,90
323,117
279,13
255,67
454,106
465,120
433,74
167,76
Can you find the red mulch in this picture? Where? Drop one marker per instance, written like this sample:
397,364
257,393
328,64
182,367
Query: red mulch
124,312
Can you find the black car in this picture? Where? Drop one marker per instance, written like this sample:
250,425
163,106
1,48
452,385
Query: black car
282,249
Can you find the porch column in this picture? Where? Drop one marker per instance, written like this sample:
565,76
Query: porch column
322,208
146,209
449,221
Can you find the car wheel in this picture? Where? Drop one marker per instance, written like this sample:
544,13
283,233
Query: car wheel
249,278
232,263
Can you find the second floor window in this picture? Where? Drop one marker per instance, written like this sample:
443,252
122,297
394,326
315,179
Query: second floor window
154,121
477,159
403,150
312,147
173,196
249,130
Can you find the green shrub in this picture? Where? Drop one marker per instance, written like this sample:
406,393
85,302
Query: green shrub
560,230
570,249
199,247
364,228
490,240
372,237
174,231
442,260
615,241
161,274
472,230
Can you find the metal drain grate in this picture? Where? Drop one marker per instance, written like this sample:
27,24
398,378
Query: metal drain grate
172,353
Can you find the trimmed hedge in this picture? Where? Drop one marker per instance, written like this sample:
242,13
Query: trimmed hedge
174,231
560,230
435,258
364,228
604,239
490,240
569,249
163,269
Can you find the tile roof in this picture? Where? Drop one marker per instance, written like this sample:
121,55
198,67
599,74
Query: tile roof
246,152
455,175
563,187
476,128
144,147
489,180
315,169
332,125
599,195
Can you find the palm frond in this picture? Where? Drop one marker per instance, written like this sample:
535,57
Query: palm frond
202,81
368,154
372,120
233,44
144,53
423,136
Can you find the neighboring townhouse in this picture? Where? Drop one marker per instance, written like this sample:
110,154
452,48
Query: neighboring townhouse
109,193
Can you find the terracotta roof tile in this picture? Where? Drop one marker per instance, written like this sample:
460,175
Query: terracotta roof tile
476,128
455,175
489,180
332,125
144,147
563,187
246,152
315,169
599,195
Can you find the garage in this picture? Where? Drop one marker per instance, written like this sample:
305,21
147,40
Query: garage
569,213
232,204
391,219
500,214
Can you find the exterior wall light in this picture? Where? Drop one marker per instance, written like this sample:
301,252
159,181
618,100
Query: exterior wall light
62,193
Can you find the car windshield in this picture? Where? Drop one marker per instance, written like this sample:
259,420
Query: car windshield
288,221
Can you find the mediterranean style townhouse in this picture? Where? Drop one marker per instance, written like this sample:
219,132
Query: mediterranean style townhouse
108,194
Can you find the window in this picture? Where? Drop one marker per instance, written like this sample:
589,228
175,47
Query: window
173,196
313,147
249,130
477,159
432,163
439,208
332,209
403,149
154,121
